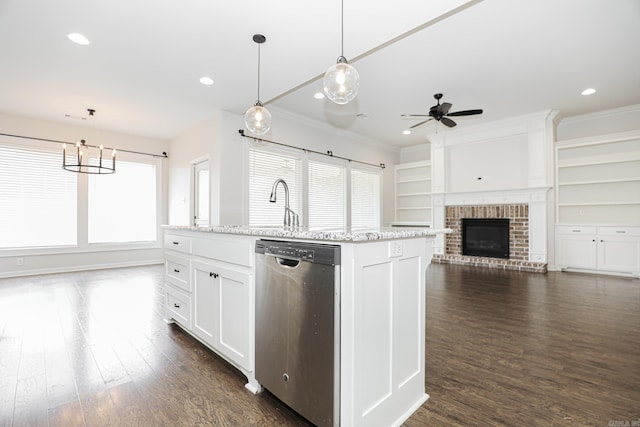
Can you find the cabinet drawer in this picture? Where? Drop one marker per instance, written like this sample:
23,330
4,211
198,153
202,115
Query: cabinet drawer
176,270
232,250
178,306
178,243
619,231
568,229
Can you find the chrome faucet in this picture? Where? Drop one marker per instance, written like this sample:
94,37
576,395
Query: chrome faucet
290,217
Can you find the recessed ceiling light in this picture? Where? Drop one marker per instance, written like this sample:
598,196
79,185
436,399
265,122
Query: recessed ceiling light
318,95
208,81
406,132
589,91
78,38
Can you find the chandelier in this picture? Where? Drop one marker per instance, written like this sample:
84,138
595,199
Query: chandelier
83,162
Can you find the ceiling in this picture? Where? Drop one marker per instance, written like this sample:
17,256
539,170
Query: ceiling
141,71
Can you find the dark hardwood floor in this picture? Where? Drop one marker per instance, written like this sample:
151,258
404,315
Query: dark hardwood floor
503,349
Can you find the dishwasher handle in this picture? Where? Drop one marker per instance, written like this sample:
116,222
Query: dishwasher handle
287,262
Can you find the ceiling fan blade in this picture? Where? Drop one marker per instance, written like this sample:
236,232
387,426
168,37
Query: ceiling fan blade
420,124
444,108
414,115
447,122
465,113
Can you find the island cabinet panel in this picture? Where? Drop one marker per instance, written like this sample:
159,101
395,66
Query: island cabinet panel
384,314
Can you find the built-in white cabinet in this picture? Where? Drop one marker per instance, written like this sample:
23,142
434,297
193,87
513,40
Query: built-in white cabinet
209,293
598,203
413,194
603,248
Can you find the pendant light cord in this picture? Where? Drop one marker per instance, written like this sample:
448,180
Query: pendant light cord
258,71
342,28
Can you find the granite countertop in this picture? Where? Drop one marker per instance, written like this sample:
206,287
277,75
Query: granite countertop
318,233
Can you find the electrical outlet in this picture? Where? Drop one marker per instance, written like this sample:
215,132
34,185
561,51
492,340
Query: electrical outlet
395,248
19,261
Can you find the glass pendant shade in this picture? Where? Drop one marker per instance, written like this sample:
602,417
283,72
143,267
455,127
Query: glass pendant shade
258,119
341,82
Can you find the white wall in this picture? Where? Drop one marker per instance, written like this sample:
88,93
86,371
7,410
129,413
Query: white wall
601,123
82,257
415,153
227,149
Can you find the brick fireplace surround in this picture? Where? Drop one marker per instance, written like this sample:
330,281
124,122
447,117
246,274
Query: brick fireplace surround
518,215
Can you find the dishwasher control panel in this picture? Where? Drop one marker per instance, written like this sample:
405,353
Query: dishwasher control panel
290,252
310,252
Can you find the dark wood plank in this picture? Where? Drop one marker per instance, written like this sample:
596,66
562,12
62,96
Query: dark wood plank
504,348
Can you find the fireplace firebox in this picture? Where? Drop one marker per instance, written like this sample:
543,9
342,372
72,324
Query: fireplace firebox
485,237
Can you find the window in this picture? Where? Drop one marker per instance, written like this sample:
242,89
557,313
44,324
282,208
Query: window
333,193
365,198
38,199
327,195
265,167
122,206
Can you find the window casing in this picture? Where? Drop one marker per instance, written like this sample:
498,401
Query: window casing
46,209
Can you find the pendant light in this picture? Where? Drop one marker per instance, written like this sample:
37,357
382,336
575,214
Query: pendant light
341,81
81,162
257,119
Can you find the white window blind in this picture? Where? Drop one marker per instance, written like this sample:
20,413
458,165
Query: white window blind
365,198
122,206
327,195
38,199
264,169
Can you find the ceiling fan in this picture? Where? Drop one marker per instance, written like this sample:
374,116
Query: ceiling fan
440,112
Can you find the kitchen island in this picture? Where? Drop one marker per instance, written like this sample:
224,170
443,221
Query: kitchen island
210,292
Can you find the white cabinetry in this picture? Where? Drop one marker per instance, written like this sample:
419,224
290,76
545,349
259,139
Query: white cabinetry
602,248
222,310
413,194
209,293
598,203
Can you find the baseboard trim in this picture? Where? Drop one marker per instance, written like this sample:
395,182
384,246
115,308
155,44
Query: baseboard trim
71,269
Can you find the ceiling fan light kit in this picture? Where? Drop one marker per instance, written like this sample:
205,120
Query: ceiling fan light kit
341,81
257,119
440,113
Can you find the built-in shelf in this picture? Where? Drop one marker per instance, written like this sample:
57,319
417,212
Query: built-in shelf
413,194
597,180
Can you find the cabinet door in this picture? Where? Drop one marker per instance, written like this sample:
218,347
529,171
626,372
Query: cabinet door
235,321
619,253
205,301
222,310
576,251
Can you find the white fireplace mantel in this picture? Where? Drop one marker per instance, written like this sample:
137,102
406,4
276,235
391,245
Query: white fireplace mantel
537,198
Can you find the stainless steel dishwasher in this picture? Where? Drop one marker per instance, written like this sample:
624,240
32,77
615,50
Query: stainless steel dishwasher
297,326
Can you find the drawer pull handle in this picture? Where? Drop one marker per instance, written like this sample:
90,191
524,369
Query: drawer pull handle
620,231
593,240
214,275
573,231
176,270
176,243
176,305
